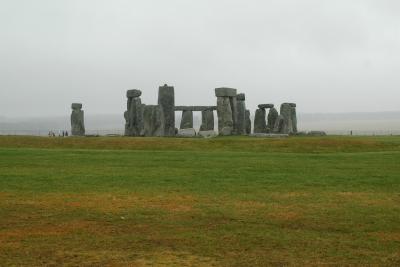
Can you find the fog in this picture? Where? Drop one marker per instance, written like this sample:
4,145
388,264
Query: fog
327,56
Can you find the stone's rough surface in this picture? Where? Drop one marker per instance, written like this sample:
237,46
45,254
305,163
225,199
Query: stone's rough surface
225,119
133,93
316,133
264,106
166,101
241,116
207,120
293,105
207,134
234,108
225,92
134,116
189,132
77,120
260,125
195,108
76,106
187,119
241,97
272,116
279,124
152,121
294,117
286,113
248,122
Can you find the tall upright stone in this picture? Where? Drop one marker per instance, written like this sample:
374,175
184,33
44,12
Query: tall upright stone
226,110
272,117
187,119
134,114
248,122
241,114
77,120
279,125
286,113
207,120
166,101
260,124
294,117
153,125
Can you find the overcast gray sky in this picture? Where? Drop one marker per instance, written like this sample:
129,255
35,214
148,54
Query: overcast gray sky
328,56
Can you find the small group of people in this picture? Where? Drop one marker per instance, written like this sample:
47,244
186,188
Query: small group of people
60,134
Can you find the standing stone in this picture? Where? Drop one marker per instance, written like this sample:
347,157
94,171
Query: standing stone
207,120
152,121
286,113
134,114
241,114
226,110
225,120
77,120
187,119
260,125
279,125
294,117
166,101
248,122
272,116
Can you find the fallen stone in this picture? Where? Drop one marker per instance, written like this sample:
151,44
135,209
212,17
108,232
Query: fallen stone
207,134
317,133
190,132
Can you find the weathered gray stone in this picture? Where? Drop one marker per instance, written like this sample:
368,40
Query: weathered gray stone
189,132
166,101
279,125
225,118
260,125
134,115
293,105
294,118
207,134
265,106
207,120
195,108
248,122
286,113
241,116
241,97
77,120
152,121
187,119
272,116
133,93
225,92
234,108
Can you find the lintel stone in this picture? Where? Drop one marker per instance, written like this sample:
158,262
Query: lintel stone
225,92
264,106
133,93
76,106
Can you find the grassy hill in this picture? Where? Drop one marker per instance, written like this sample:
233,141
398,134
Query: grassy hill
234,201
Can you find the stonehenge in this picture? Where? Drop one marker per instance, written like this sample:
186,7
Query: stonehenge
134,115
77,120
233,117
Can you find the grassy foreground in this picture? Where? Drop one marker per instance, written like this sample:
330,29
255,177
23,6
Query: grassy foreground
199,202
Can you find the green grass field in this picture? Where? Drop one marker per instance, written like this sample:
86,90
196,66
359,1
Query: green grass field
235,201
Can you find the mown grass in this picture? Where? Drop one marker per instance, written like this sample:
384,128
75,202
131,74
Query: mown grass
193,202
